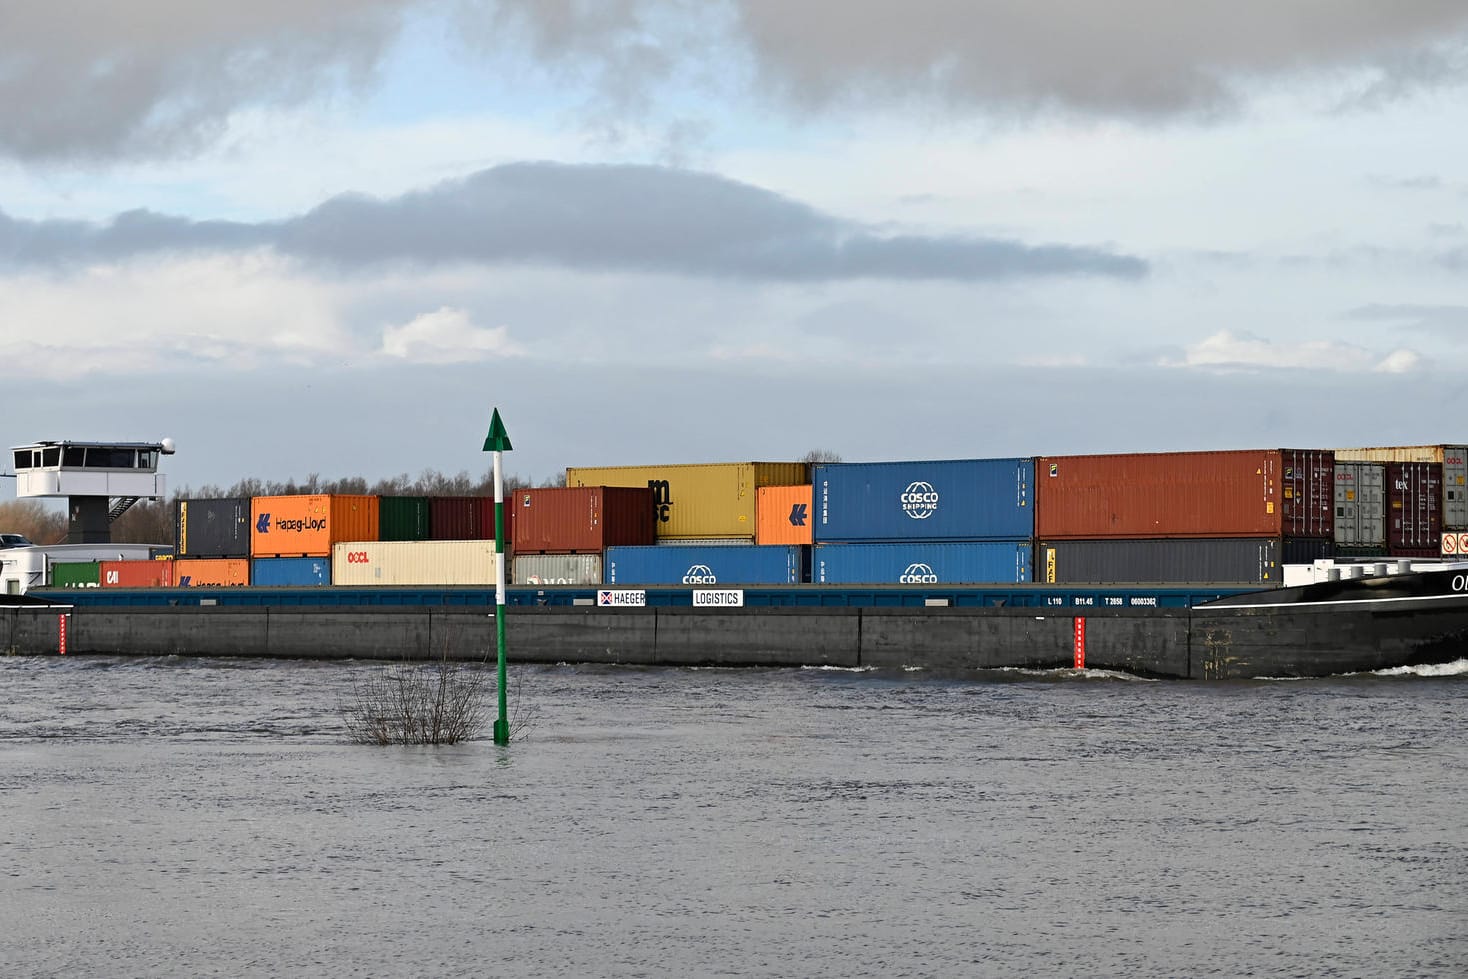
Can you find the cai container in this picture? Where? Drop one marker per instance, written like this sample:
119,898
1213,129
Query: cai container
699,499
454,562
136,574
581,519
556,569
1414,509
748,564
922,563
403,518
1220,561
782,515
76,574
1244,493
290,572
1360,508
213,527
1454,460
952,499
210,572
308,525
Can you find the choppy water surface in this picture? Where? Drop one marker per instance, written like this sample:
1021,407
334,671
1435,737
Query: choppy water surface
178,817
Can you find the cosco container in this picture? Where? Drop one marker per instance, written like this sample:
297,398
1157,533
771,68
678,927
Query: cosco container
136,574
956,499
699,500
76,574
213,527
581,519
290,572
1247,493
307,526
210,572
922,563
1414,509
435,562
556,569
1360,508
1454,460
1230,560
749,564
783,515
403,518
468,517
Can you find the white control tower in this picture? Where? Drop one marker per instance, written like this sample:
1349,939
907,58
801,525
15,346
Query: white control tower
99,479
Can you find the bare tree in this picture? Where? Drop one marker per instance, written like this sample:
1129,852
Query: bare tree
816,456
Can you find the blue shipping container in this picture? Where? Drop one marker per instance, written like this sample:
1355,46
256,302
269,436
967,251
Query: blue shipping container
290,572
922,563
955,499
744,564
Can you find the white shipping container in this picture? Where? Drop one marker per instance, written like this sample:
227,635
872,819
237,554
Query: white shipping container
557,569
414,562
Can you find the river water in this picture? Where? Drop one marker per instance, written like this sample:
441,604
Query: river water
191,817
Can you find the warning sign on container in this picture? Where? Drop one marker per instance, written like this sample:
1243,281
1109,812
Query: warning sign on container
1454,544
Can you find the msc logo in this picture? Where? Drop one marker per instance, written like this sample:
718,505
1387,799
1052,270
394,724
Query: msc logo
918,574
919,500
357,557
700,574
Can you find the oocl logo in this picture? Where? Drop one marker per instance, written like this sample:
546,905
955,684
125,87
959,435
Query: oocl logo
700,574
357,557
919,500
918,574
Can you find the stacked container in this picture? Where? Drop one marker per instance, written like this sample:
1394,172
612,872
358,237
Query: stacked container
220,572
699,501
466,562
1426,494
706,566
213,528
561,533
1360,509
783,515
468,518
403,518
135,574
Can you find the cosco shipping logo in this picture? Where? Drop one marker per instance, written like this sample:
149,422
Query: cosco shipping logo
919,500
700,574
918,574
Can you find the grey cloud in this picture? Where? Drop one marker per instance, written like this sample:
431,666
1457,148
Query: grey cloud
1450,322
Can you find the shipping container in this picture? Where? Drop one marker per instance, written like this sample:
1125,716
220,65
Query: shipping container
701,499
213,527
1215,561
403,518
308,526
1360,507
1414,509
922,563
210,572
433,562
76,574
469,517
136,574
1454,460
556,569
749,564
1246,493
290,572
581,519
783,515
954,499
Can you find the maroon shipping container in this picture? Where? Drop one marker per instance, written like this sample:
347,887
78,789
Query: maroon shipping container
1414,515
1245,493
583,519
468,517
135,574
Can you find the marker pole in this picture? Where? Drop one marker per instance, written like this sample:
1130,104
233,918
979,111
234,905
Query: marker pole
498,441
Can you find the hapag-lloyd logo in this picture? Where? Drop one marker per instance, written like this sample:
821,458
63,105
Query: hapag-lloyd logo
919,500
918,574
700,574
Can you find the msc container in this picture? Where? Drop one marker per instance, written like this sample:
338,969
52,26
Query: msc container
749,564
1360,507
210,572
213,527
290,572
433,562
956,499
136,574
1454,460
702,499
581,519
783,515
307,526
1414,509
556,569
403,518
922,563
1230,560
1246,493
76,574
468,517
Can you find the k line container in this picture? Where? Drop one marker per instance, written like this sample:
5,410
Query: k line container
210,572
922,563
469,517
290,572
1247,493
556,569
955,499
749,564
76,574
783,515
308,526
1360,507
1454,460
1414,509
454,562
213,527
403,518
581,519
1229,560
136,574
699,500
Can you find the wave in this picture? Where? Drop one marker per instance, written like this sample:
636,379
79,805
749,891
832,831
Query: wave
1456,668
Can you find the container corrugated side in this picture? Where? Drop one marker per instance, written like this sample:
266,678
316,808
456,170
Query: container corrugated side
469,518
467,562
403,518
212,527
1414,509
219,572
581,519
1360,506
950,499
290,572
748,564
922,563
136,574
76,574
308,525
699,499
783,515
1454,460
556,569
1230,560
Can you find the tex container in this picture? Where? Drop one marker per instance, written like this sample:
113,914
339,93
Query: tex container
1454,460
782,515
1414,521
76,574
468,517
435,562
581,519
700,499
748,564
290,572
922,563
308,526
213,527
1360,508
136,574
1228,560
1243,493
403,518
219,572
955,499
556,569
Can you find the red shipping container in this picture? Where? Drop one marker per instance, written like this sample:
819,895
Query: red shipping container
1414,515
583,519
135,574
1245,493
468,517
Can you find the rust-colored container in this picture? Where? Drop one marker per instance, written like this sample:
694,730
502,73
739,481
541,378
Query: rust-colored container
1246,493
783,515
1414,513
136,574
307,526
210,572
468,518
582,519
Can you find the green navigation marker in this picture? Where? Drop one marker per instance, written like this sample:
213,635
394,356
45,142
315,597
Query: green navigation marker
498,442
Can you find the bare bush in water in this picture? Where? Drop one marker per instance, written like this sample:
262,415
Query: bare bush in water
425,703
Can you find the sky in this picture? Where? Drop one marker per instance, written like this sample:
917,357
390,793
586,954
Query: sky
330,237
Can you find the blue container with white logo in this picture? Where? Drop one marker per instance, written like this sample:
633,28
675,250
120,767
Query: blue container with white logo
955,499
922,563
703,565
290,572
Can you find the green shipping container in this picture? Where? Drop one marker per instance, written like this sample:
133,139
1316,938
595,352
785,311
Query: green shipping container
403,518
76,574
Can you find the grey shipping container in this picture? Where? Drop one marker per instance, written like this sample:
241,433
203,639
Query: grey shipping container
1215,560
213,527
556,569
1360,506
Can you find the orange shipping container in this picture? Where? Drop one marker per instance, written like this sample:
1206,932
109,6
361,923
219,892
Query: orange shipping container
308,526
211,572
782,515
136,574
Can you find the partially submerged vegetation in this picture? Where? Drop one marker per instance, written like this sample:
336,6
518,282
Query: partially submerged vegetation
426,703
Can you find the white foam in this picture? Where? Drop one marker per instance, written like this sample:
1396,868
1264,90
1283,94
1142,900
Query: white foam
842,669
1455,668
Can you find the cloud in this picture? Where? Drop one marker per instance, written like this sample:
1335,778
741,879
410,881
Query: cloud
447,336
1446,322
1226,350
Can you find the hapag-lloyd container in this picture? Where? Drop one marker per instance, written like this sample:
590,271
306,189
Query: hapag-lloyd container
308,526
1244,493
747,564
213,527
136,574
955,499
434,562
556,569
219,572
1454,460
783,515
1177,560
1360,507
468,517
1414,509
581,519
699,499
290,572
922,563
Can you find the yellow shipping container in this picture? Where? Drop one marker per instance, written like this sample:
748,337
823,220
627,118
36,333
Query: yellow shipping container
210,572
307,526
414,562
699,500
784,515
1392,453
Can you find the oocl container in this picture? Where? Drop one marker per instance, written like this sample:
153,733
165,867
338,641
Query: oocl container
210,572
922,563
748,564
213,527
700,499
136,574
955,499
783,515
438,562
1454,460
1414,509
403,518
1230,560
1360,508
290,572
308,526
556,569
581,519
1246,493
